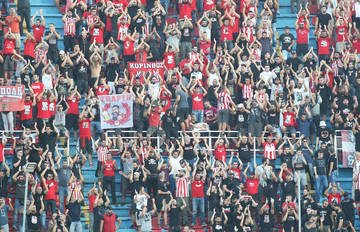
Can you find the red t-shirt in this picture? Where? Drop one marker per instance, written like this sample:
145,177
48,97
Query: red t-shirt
52,107
237,172
198,101
26,114
324,46
302,35
185,10
102,90
43,108
1,152
97,32
108,168
356,44
38,32
51,194
73,105
9,46
169,60
252,186
91,198
85,128
220,152
341,33
336,196
197,188
29,48
154,118
289,119
128,46
37,87
209,4
227,33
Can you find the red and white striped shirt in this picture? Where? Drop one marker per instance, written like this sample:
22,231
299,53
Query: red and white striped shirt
247,91
90,19
75,188
102,152
142,152
69,26
357,183
224,100
270,150
182,187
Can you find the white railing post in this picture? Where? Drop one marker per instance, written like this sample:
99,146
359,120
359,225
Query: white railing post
299,203
254,151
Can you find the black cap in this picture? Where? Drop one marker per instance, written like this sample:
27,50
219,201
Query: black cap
287,27
109,207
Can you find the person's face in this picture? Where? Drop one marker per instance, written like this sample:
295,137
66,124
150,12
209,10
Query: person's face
108,156
48,129
39,189
50,177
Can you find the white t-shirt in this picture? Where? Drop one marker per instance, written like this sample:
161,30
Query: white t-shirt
47,81
175,164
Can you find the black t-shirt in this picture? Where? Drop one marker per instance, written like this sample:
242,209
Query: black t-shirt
286,40
325,92
287,158
325,212
295,62
273,117
74,211
48,139
151,164
241,117
324,134
347,207
232,184
339,216
99,211
244,152
267,222
324,19
34,222
189,151
168,121
174,213
290,222
320,165
289,188
186,34
332,159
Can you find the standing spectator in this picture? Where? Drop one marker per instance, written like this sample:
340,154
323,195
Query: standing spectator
108,222
85,138
320,174
13,21
70,29
224,102
33,216
4,209
287,42
73,205
19,180
64,174
50,184
109,167
38,27
174,210
302,36
145,218
198,196
182,194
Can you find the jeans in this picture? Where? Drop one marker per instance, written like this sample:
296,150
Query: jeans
18,206
199,115
52,204
285,54
185,48
75,226
63,193
109,182
198,202
8,120
25,15
303,178
172,184
321,185
333,176
5,228
91,221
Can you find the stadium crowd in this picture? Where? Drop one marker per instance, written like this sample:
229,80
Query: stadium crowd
227,69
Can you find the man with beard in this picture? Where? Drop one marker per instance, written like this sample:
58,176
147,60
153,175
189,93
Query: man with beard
169,123
115,112
107,224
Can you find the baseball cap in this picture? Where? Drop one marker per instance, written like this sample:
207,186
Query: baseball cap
322,123
287,27
62,52
240,105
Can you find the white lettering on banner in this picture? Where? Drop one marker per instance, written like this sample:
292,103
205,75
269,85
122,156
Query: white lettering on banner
11,91
146,65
